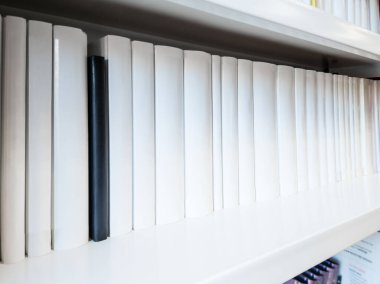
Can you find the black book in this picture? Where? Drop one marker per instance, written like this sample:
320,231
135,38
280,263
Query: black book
99,148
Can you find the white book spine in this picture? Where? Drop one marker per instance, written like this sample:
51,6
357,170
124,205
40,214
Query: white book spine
198,133
117,52
286,130
351,11
246,138
377,121
170,164
374,15
13,140
369,126
327,6
351,117
339,9
346,102
375,137
341,127
364,90
39,138
323,170
144,171
230,143
300,98
337,138
267,182
70,139
329,118
365,21
358,105
312,131
358,13
217,132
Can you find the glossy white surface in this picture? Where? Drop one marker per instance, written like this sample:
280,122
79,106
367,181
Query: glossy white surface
277,238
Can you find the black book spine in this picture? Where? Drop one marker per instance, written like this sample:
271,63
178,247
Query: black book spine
99,148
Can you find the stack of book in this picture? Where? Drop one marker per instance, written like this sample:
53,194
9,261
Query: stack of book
140,135
362,13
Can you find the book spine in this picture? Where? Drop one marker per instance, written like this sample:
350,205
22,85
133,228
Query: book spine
70,139
337,136
217,132
198,133
300,100
322,129
286,130
265,130
170,164
13,140
369,126
39,138
365,17
375,124
312,145
351,11
377,119
117,52
352,93
341,127
144,171
339,9
230,143
346,100
245,128
98,147
358,125
357,13
329,116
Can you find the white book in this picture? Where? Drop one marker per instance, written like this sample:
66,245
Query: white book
170,154
144,170
351,117
358,90
374,15
286,130
341,127
358,12
351,11
337,138
375,116
329,120
327,6
312,130
13,140
366,127
365,21
230,142
198,133
377,125
70,139
346,101
117,51
300,99
39,138
267,180
339,9
322,145
370,92
217,132
246,143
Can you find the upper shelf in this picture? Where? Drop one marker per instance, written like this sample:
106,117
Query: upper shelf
280,31
265,243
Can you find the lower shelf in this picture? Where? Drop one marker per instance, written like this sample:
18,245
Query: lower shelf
265,243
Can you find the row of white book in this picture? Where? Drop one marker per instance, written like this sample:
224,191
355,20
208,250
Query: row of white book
362,13
189,133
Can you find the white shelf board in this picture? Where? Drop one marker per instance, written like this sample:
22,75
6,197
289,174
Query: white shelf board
266,243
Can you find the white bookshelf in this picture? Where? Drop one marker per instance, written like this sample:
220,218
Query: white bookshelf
267,242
